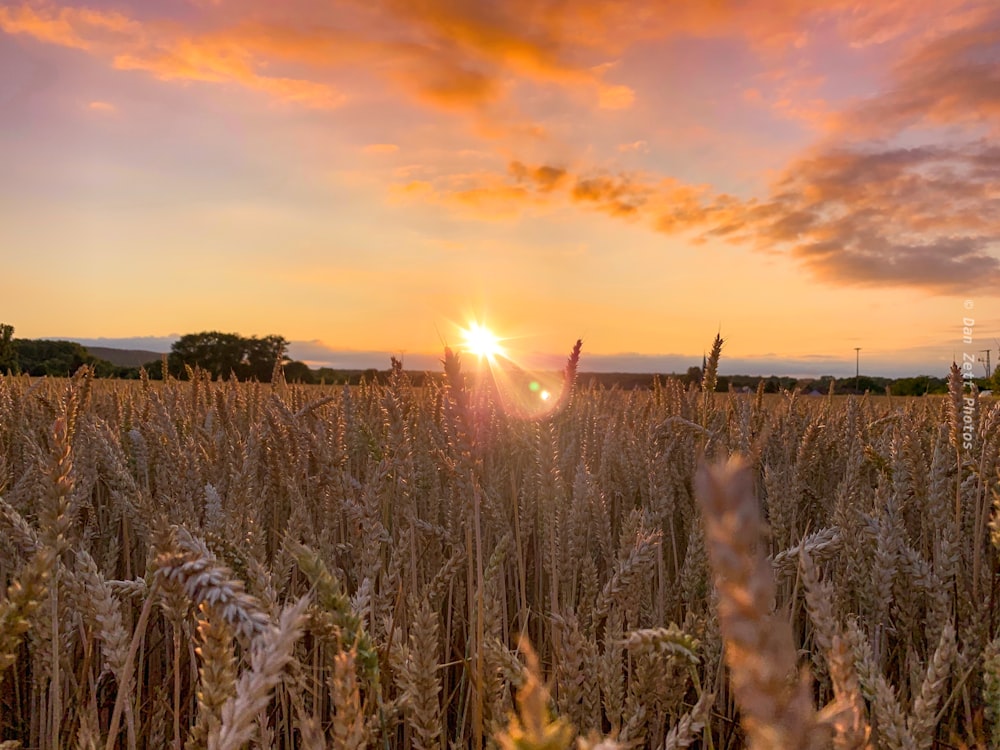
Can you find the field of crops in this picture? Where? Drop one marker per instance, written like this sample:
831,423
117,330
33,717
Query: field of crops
219,565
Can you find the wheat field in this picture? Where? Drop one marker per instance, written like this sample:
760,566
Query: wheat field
198,564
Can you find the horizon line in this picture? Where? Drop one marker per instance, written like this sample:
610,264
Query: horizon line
315,354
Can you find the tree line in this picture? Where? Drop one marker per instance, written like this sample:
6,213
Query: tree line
249,358
222,355
55,358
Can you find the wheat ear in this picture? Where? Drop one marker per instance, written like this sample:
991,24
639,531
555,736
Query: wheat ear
270,654
777,709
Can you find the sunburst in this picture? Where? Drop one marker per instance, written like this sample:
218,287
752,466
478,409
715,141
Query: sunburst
482,342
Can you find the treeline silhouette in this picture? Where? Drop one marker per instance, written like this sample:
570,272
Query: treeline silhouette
230,355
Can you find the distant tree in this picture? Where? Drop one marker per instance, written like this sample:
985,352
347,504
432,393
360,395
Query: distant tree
329,376
57,358
299,372
217,353
693,375
865,383
259,356
918,386
126,373
154,369
226,355
8,352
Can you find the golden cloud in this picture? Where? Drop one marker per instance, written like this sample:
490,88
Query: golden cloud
80,28
663,204
462,56
161,49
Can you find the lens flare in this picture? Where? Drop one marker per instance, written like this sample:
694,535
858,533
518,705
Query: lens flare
527,391
524,384
482,342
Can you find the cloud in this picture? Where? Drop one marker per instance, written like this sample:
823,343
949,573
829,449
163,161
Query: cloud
884,22
455,55
904,191
544,178
616,195
861,210
516,36
447,55
98,106
890,196
162,49
925,217
446,83
952,80
482,195
212,61
80,28
663,203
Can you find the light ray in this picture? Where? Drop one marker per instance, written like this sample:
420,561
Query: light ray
482,342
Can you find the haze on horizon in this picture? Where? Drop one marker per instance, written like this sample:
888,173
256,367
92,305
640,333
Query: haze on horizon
808,177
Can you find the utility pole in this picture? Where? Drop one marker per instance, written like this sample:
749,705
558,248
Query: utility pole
989,372
857,369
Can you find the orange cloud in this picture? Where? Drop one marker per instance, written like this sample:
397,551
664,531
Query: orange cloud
514,35
481,195
196,60
161,49
663,204
925,217
98,106
544,178
459,56
859,209
80,28
445,83
451,54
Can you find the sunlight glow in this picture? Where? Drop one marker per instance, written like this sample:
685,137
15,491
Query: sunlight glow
482,342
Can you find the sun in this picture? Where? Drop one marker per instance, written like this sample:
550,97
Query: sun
482,342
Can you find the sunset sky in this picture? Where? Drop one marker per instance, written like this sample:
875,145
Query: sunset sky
807,176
